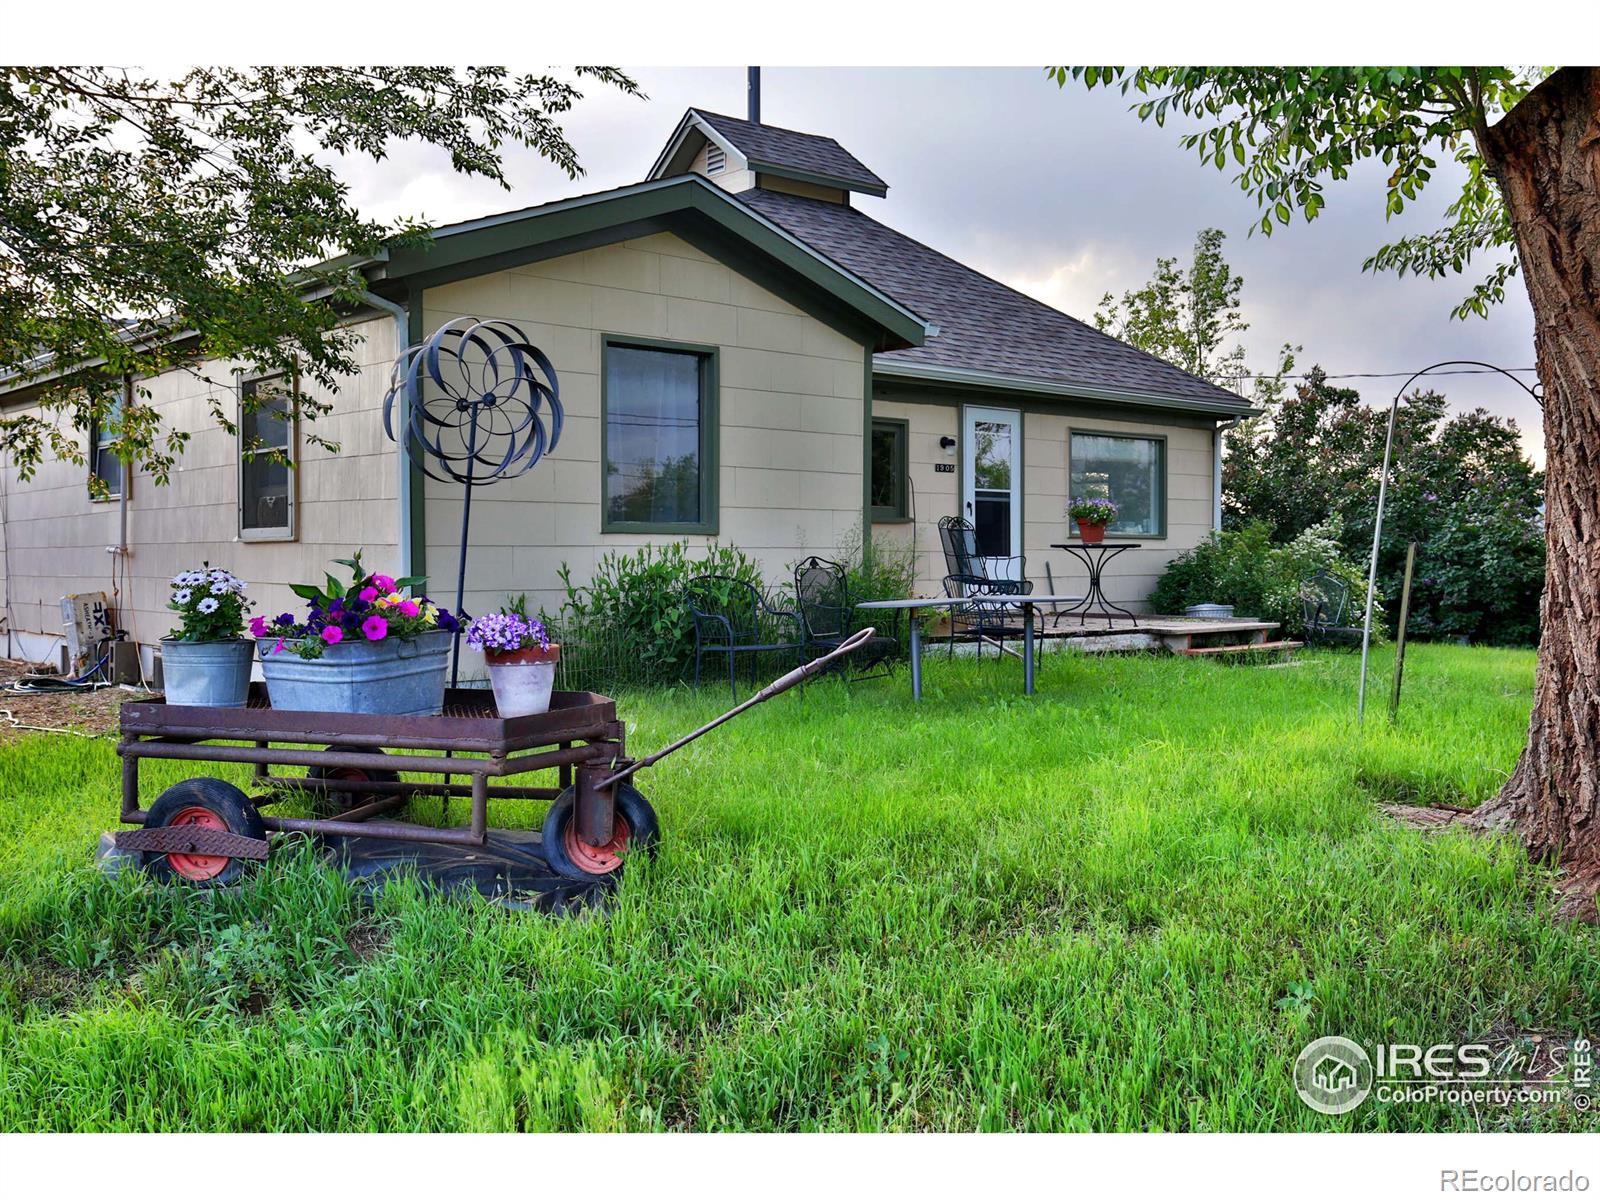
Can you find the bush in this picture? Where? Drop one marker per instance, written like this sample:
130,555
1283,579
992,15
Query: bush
1244,568
633,609
889,573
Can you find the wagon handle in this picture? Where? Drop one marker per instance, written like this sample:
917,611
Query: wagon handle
781,684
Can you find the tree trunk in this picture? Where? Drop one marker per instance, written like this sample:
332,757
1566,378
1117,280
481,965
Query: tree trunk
1545,154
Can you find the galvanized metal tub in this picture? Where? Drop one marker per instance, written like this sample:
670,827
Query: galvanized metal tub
208,674
1209,612
395,677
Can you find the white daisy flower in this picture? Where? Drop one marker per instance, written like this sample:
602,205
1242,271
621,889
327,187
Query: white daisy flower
220,588
181,596
208,605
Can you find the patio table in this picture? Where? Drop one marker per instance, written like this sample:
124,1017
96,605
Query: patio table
1023,603
1093,556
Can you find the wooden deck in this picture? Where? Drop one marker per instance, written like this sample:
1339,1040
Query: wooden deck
1179,635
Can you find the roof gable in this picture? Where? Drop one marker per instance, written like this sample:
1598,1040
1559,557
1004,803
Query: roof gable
769,150
687,204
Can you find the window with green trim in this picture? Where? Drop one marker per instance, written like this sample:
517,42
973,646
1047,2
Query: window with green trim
1130,471
104,465
659,429
267,458
890,485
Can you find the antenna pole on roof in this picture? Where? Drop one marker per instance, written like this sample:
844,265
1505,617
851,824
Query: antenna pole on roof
753,74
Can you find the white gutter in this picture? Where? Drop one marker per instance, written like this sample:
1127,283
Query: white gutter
883,368
402,488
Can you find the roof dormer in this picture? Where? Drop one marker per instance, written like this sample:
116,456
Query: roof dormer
739,155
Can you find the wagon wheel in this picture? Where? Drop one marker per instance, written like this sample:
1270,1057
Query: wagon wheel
331,803
205,804
634,830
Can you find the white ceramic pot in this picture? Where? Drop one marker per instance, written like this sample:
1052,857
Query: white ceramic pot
522,679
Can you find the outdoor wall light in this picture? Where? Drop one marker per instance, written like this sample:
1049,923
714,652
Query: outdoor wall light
947,443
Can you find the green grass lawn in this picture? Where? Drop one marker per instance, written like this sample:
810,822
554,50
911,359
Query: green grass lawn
1125,903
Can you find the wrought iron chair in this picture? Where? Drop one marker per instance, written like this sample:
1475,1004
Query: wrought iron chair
963,563
822,595
732,617
1324,600
968,574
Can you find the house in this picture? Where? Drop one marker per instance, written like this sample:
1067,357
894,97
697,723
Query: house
806,369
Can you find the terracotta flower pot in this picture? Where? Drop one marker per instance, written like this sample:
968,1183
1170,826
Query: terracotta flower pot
522,679
1089,531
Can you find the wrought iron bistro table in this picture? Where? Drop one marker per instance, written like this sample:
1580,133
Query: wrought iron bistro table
1093,556
1025,604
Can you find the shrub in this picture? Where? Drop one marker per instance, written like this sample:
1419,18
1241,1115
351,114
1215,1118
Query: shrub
1244,568
635,607
888,573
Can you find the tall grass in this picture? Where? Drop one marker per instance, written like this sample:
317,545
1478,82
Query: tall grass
1125,903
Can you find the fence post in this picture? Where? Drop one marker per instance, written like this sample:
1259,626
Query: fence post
1400,634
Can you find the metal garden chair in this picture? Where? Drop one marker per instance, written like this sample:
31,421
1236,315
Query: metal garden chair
1324,600
732,617
822,595
968,575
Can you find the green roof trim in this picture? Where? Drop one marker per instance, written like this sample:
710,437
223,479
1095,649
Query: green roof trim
471,246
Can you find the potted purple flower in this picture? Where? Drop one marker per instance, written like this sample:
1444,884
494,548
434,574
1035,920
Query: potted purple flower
1093,514
205,661
521,657
362,647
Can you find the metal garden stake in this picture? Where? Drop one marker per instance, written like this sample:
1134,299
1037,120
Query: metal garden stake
472,400
1400,634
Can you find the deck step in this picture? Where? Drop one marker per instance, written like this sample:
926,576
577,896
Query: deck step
1242,648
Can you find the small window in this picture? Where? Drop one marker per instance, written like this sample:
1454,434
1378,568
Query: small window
659,406
716,160
267,458
889,475
1131,472
104,465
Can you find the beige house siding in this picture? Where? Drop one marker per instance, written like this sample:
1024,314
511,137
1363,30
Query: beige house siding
57,538
789,427
1045,493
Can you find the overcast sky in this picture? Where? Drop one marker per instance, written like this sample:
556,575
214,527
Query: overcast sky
1061,194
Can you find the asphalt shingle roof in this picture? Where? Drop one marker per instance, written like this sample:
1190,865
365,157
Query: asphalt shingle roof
807,152
983,324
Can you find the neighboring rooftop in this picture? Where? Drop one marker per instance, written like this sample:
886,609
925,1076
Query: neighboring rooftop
984,327
768,150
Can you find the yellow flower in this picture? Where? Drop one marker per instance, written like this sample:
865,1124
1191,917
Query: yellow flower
393,598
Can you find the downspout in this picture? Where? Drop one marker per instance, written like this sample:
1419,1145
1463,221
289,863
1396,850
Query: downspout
1216,471
402,339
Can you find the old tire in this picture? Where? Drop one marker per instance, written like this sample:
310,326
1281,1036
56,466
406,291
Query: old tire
635,830
210,804
331,804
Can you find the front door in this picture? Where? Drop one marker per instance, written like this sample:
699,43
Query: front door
992,485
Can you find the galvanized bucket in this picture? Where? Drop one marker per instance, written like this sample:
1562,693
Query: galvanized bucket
1209,612
208,674
395,677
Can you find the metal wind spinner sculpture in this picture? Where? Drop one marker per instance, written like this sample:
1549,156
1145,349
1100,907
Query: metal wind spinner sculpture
474,399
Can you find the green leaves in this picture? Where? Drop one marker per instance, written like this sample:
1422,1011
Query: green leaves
1286,130
135,208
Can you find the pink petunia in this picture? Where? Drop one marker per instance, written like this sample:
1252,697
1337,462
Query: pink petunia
369,594
279,647
384,583
332,634
409,608
375,628
258,627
